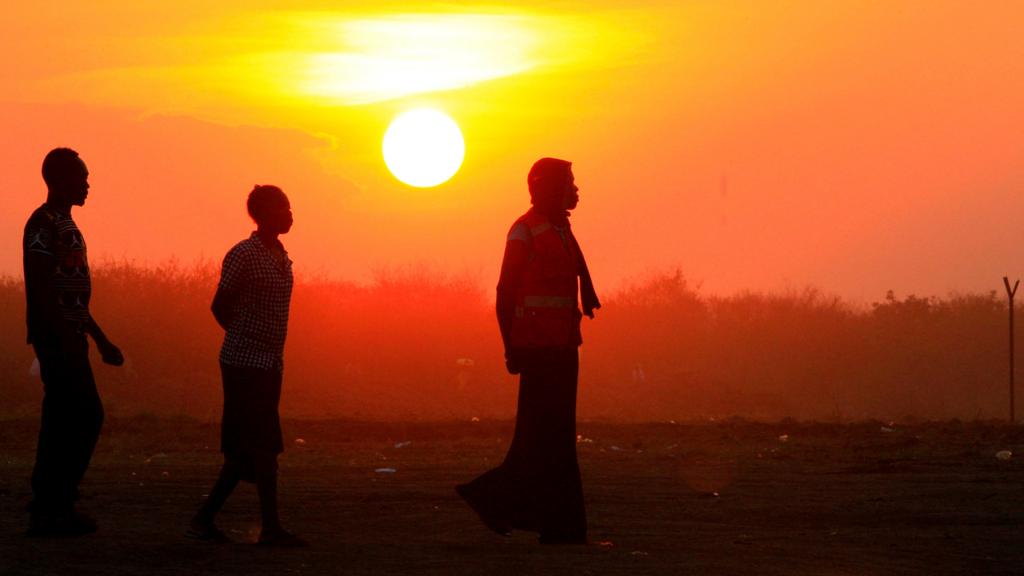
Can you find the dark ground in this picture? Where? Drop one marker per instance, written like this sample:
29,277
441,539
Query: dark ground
712,498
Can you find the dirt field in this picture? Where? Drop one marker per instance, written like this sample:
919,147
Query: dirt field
708,498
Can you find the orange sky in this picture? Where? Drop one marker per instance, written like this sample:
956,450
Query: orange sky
855,146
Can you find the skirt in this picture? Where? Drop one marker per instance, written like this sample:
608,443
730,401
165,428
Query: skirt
251,424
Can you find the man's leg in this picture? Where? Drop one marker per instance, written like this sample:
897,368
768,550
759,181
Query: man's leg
50,451
88,418
67,436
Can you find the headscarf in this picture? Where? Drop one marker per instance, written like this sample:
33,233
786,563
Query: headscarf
547,181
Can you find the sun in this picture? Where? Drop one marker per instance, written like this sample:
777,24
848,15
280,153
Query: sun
423,147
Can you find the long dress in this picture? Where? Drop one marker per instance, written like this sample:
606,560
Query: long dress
537,487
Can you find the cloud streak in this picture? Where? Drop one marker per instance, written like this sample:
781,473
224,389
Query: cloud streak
272,59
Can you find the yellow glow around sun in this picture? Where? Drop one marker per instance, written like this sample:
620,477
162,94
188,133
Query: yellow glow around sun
423,147
283,60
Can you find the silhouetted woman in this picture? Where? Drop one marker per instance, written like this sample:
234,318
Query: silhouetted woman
543,279
251,305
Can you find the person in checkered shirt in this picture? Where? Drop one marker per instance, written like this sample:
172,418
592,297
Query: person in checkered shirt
251,304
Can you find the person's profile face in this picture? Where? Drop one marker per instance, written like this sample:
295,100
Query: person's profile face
277,216
76,184
571,196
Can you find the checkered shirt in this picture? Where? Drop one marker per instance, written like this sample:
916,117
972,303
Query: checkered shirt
263,289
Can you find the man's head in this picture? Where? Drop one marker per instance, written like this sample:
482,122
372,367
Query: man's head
66,176
269,208
552,185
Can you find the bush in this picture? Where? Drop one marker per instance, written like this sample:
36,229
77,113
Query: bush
417,345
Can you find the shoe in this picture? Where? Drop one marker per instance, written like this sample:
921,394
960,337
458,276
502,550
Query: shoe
494,524
280,539
206,532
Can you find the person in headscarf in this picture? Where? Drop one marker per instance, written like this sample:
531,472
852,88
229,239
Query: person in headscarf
544,282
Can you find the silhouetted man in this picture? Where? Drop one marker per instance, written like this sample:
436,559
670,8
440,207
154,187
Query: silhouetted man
543,279
251,304
57,291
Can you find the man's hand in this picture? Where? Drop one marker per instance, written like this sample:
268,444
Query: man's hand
515,358
111,354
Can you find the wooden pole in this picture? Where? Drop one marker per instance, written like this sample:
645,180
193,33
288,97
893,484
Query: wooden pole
1009,293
